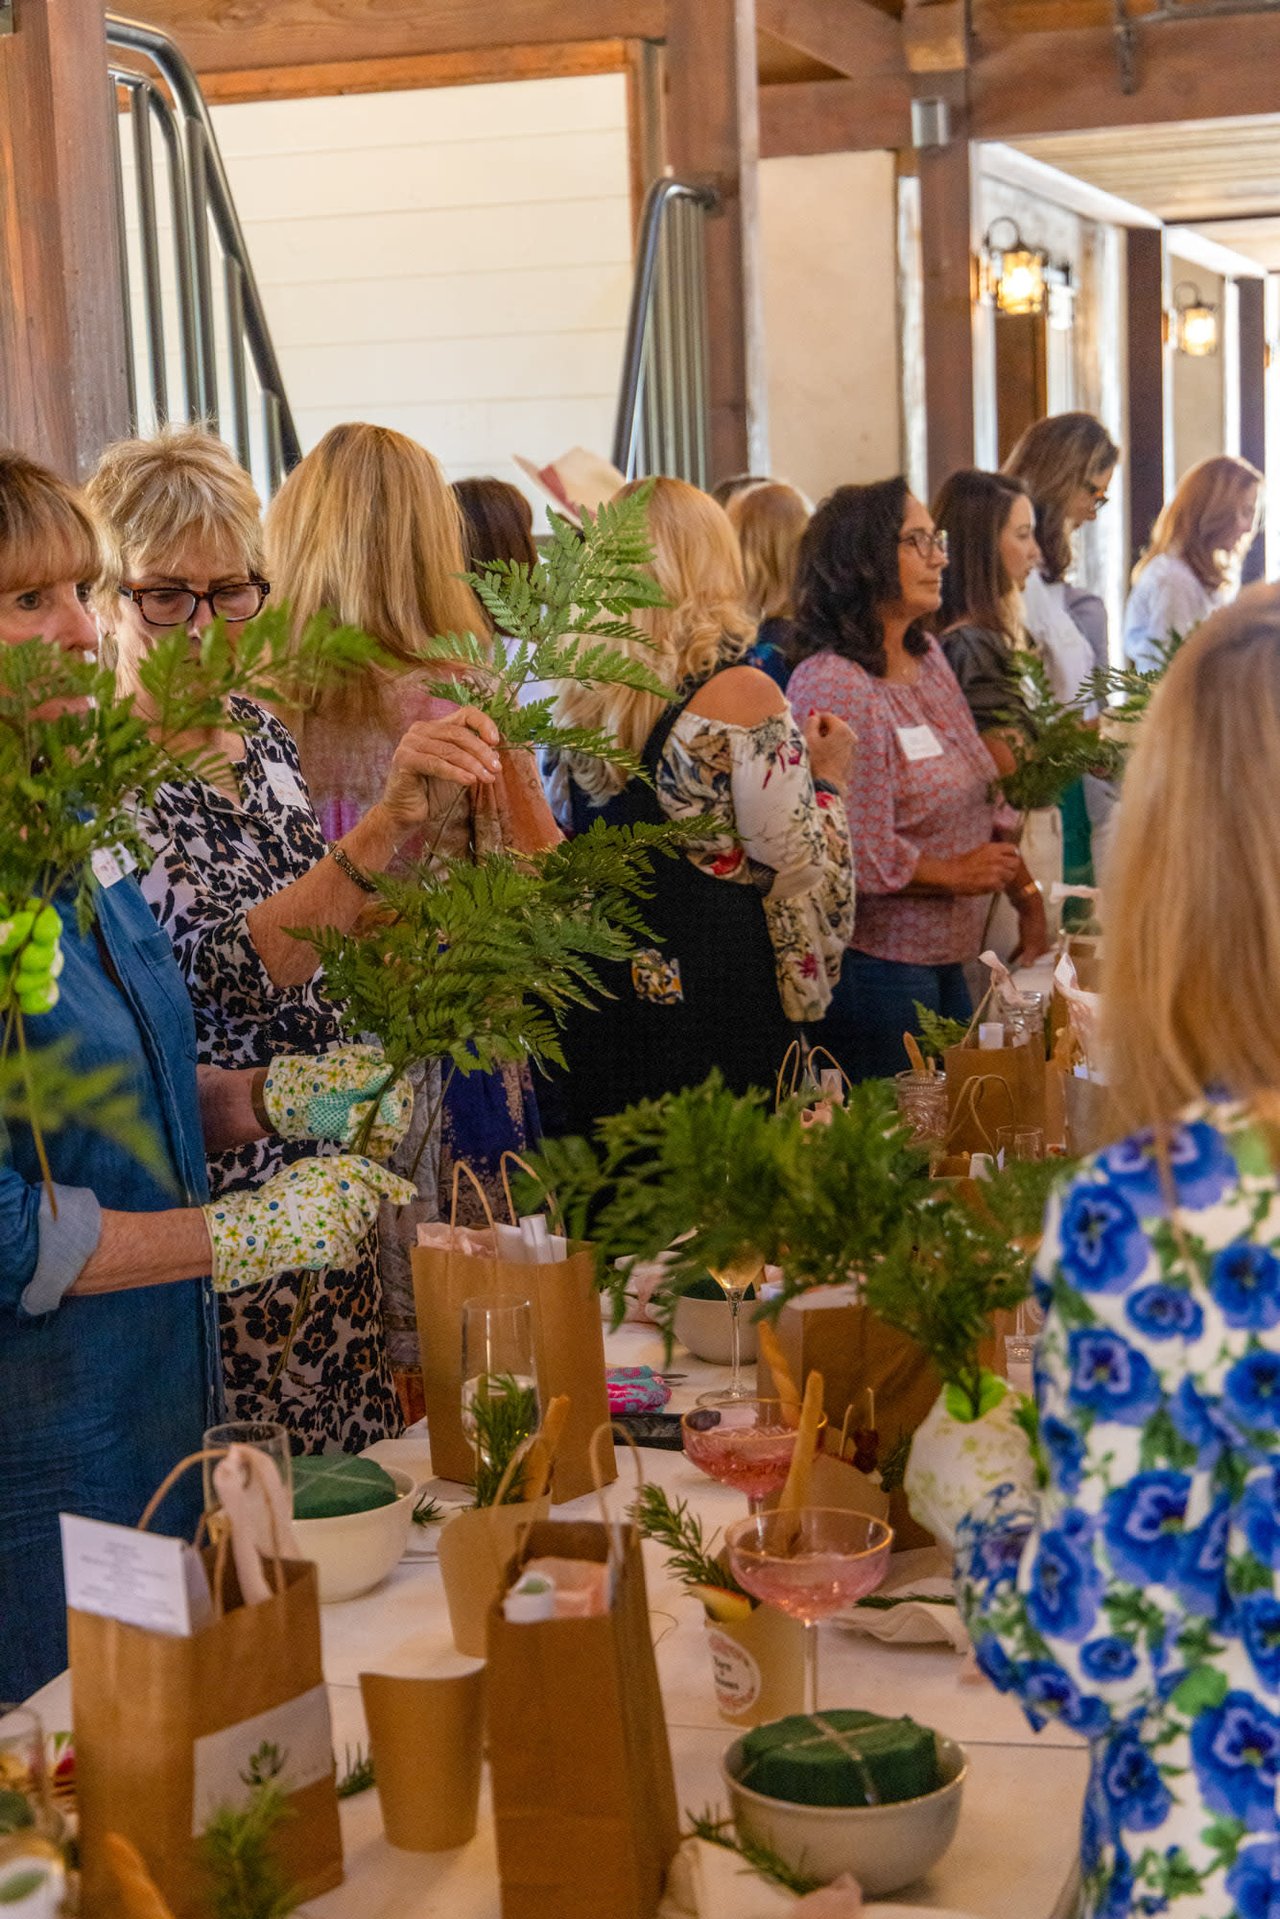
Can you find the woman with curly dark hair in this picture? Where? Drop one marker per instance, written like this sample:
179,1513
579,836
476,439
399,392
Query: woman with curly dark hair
920,807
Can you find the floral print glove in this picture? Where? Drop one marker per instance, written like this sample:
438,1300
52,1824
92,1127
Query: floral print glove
327,1096
309,1218
955,1462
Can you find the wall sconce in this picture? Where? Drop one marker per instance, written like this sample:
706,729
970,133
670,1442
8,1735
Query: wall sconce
1013,274
1195,322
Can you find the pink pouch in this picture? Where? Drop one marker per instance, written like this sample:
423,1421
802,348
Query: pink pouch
636,1389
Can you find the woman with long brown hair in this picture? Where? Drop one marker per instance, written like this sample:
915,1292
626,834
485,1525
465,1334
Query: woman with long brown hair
1191,565
755,909
1136,1595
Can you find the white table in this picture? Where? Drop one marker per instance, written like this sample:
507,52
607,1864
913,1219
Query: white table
1014,1851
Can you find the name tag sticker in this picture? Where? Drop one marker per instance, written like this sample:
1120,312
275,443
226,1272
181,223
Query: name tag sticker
283,782
919,743
110,864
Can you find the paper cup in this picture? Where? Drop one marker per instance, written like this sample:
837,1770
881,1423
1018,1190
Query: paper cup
475,1549
426,1736
757,1666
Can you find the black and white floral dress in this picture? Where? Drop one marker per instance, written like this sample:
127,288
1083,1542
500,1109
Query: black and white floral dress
215,858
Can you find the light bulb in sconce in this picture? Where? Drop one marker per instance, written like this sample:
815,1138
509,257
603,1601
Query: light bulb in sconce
1195,322
1013,272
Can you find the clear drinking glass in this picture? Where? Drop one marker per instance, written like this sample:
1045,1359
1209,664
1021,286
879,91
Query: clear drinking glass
809,1563
498,1365
922,1105
26,1806
265,1436
1019,1142
734,1280
745,1443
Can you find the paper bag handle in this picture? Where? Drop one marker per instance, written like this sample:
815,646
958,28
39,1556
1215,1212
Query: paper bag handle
791,1063
222,1545
460,1167
978,1011
500,1549
822,1052
515,1159
967,1107
612,1527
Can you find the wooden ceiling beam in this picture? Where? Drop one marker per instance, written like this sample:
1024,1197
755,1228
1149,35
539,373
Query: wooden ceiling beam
835,116
417,70
850,35
233,36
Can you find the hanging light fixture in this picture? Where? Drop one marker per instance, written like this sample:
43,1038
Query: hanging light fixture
1014,273
1195,321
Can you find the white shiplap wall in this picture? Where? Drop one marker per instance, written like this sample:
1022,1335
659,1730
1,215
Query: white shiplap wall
454,263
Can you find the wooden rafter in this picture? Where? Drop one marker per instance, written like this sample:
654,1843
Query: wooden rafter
417,70
852,36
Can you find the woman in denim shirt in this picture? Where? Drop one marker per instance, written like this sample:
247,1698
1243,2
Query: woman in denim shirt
108,1337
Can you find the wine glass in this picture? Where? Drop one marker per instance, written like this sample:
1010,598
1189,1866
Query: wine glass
809,1563
734,1278
745,1443
265,1436
499,1376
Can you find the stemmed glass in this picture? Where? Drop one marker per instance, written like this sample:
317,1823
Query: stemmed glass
498,1368
809,1563
265,1436
745,1443
734,1278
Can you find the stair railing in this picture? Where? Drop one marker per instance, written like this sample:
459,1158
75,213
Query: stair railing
662,403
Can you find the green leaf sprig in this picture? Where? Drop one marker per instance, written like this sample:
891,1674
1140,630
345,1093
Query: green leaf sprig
1063,746
674,1527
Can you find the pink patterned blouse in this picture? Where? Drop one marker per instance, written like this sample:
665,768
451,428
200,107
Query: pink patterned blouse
900,808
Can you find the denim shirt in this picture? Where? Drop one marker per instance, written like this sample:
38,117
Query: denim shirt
99,1395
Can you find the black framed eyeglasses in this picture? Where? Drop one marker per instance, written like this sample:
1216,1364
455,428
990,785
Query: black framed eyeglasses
235,602
925,544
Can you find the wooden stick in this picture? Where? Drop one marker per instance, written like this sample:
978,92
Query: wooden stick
784,1384
796,1491
914,1054
541,1457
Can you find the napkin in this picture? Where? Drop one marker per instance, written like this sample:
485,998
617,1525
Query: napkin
923,1612
711,1882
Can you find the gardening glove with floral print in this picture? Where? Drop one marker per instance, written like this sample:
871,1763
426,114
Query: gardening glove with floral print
309,1218
328,1096
956,1459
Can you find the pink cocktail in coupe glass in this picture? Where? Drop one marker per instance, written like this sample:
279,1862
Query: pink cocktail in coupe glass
810,1563
746,1443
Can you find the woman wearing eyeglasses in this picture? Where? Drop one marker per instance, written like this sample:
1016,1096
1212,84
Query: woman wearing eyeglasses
240,860
920,808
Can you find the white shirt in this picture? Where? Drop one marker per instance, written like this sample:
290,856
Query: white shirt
1167,598
1067,654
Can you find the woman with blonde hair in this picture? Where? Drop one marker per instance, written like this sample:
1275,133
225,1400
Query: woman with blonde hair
1192,563
368,528
1137,1595
239,861
754,911
769,520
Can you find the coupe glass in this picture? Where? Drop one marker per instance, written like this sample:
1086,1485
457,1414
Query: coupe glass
745,1443
498,1363
734,1279
265,1436
809,1563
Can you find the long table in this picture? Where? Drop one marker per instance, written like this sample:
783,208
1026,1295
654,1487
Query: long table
1014,1852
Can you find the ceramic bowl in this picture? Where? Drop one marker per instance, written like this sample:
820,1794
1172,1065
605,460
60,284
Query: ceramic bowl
353,1552
703,1325
884,1847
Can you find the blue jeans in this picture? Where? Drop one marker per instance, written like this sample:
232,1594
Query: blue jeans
874,1005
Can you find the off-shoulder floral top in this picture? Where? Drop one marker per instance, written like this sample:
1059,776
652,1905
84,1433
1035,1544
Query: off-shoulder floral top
765,823
1138,1598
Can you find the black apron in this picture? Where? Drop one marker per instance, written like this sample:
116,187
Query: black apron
664,1029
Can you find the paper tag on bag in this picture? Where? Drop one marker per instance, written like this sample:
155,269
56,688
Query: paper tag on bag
111,863
919,743
290,1745
141,1579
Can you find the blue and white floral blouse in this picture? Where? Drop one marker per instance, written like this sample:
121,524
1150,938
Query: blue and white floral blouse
1138,1597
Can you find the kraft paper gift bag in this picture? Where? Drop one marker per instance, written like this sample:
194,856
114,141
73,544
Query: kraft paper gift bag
583,1795
166,1727
568,1341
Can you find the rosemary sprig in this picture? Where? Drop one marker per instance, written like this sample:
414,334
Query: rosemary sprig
357,1776
427,1510
246,1879
505,1413
761,1859
680,1531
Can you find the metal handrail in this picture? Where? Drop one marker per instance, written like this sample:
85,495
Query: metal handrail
200,191
661,424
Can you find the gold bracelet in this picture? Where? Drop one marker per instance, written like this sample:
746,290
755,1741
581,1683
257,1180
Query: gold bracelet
352,871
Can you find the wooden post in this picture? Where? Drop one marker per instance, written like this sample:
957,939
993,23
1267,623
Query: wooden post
1252,363
946,244
713,137
63,385
1144,449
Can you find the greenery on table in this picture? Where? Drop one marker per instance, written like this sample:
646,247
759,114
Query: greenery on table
674,1527
712,1178
504,1414
246,1880
761,1858
357,1773
937,1033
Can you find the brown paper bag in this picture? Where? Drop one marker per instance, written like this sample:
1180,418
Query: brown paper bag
164,1727
854,1351
474,1552
583,1795
568,1335
991,1088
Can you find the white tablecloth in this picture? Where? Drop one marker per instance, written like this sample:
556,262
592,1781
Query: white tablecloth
1012,1856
